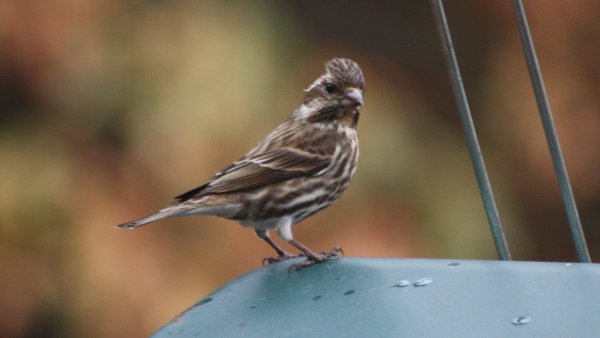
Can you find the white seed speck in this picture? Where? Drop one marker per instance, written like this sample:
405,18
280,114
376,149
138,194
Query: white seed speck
402,283
423,281
522,320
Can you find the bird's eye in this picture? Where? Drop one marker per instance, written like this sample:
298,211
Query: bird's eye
330,88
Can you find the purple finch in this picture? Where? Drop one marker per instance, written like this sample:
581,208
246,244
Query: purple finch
300,168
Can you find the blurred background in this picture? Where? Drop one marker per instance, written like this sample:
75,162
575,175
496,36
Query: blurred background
108,109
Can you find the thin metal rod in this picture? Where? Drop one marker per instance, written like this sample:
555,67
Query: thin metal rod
467,121
551,136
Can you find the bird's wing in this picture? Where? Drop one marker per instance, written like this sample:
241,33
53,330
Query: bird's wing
262,169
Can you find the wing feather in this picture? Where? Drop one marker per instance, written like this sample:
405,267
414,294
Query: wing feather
262,169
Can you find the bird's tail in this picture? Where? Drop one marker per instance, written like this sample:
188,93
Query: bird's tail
164,213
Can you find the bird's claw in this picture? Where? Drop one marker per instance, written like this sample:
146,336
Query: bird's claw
336,252
280,258
333,253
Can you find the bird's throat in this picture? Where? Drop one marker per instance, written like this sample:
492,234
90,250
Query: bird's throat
348,118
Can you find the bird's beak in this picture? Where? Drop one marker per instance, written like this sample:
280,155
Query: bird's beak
353,98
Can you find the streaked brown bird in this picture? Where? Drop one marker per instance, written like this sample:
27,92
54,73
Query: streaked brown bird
300,168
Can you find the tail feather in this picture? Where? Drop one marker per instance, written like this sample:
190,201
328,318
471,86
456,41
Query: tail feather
168,212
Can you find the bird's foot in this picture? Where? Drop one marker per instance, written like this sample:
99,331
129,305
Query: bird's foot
336,252
280,258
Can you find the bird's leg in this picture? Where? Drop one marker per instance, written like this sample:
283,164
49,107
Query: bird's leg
284,230
311,255
281,253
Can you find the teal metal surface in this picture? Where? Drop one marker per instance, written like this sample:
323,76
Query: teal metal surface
358,297
460,97
558,161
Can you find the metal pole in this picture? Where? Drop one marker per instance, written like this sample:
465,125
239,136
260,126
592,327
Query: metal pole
550,130
467,121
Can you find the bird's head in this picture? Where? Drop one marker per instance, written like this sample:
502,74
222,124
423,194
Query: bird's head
336,96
